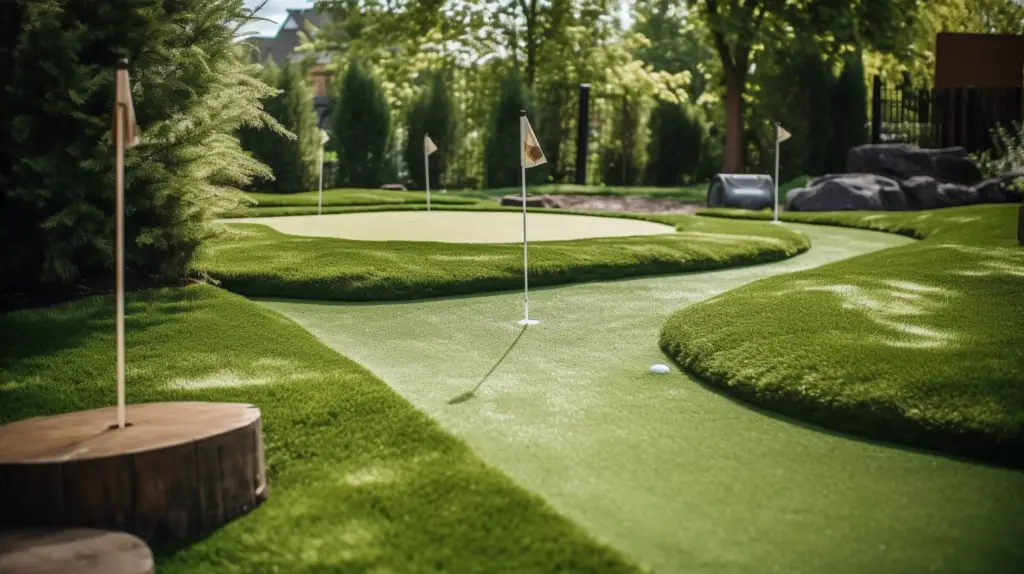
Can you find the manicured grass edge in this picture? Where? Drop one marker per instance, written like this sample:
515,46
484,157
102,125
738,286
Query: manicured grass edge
866,419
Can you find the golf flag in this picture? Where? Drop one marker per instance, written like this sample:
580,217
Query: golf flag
532,154
123,97
428,145
782,134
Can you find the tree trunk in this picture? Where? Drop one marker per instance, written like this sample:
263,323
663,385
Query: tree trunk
734,85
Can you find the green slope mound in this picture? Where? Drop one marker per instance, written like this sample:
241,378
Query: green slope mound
921,344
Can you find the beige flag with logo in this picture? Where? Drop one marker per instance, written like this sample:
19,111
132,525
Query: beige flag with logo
428,145
532,154
783,135
123,97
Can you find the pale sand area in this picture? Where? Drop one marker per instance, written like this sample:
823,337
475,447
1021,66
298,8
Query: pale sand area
457,226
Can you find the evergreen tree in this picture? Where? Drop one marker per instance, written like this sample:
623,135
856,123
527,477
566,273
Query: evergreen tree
849,113
676,147
191,94
362,129
292,157
432,113
619,162
503,157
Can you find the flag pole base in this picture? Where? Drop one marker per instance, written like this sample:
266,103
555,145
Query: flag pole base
777,221
525,322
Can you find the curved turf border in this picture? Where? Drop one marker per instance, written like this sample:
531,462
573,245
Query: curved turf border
256,260
979,414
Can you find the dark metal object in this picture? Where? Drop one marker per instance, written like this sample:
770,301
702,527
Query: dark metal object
582,132
745,191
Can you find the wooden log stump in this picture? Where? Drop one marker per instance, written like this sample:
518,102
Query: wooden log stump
73,551
177,471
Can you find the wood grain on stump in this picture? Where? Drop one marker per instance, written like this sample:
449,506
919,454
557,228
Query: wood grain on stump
73,551
179,470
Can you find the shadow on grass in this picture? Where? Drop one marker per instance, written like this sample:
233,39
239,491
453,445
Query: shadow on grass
471,393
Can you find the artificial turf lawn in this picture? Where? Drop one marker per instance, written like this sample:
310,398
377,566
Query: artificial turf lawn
667,470
461,226
687,194
923,344
360,481
258,261
340,197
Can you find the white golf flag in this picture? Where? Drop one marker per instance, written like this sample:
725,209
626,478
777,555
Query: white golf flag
783,135
428,145
532,154
123,98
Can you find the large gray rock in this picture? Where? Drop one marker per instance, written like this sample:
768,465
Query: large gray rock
927,193
847,192
901,162
1001,189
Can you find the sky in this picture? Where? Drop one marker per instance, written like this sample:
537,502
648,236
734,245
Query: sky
274,10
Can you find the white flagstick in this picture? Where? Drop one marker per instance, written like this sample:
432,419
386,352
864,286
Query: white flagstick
777,142
120,114
426,171
526,273
320,196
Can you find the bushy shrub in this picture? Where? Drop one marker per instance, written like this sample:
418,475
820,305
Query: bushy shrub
362,129
1007,154
292,156
676,146
849,103
432,113
191,94
502,147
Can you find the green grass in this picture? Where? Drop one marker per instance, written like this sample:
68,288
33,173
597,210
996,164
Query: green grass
690,193
360,481
920,344
675,475
258,261
345,197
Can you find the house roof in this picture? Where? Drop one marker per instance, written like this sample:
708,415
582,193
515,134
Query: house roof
283,45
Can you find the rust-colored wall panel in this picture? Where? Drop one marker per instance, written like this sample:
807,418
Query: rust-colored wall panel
979,60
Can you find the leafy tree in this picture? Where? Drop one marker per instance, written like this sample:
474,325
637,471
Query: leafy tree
432,113
502,150
292,157
191,94
672,48
620,164
739,29
362,128
849,110
676,147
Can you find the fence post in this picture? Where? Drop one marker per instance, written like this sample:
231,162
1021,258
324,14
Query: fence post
876,110
582,132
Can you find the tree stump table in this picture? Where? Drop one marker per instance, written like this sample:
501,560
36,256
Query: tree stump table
176,471
73,551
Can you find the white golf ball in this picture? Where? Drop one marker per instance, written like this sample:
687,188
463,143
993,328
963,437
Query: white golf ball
659,368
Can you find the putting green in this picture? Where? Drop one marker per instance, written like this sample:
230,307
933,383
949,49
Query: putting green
678,476
457,226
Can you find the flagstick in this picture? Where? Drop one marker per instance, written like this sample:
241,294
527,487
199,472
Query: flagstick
776,219
119,119
526,269
320,197
426,170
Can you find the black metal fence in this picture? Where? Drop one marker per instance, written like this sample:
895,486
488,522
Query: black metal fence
942,117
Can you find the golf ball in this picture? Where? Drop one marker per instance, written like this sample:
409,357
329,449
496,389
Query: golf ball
659,368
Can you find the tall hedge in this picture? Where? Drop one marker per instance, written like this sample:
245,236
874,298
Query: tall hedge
433,112
292,156
191,94
502,147
676,146
362,128
849,108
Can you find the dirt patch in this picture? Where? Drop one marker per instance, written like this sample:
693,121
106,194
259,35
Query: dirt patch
612,203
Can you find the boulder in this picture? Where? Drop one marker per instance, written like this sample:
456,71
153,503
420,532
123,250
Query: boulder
901,162
927,193
531,201
847,192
